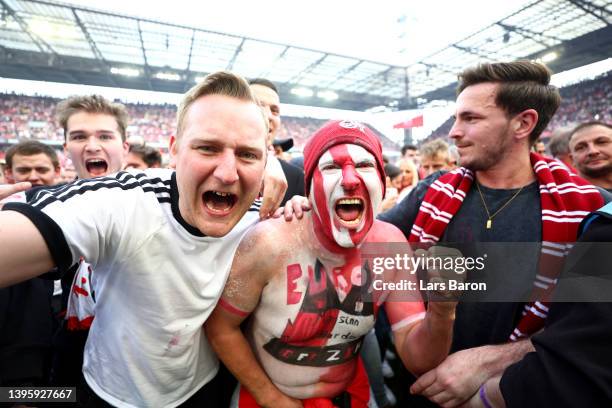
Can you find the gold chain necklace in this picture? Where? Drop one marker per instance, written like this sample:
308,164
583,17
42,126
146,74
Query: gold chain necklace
489,215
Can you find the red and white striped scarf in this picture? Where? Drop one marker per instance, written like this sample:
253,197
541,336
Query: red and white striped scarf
565,200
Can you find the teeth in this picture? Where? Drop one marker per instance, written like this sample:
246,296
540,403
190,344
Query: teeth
95,161
219,193
349,201
354,222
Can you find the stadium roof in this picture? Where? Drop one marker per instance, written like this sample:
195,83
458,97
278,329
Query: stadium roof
53,41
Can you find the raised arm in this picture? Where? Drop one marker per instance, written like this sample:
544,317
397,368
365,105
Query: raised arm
422,337
6,190
424,343
274,187
23,251
249,274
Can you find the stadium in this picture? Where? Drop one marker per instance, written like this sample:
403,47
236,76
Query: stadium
407,101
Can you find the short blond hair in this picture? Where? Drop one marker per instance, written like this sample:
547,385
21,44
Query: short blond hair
435,148
218,83
91,104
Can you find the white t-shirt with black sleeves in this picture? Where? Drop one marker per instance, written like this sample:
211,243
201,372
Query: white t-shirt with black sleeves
157,280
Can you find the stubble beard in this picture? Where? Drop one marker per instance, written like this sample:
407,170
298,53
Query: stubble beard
490,154
599,172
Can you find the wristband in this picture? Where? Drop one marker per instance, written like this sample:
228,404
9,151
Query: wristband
483,397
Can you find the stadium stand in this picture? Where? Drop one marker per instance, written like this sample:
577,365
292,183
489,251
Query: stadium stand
582,102
24,117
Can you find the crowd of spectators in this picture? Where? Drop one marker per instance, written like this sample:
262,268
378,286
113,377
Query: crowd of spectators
28,117
32,117
584,102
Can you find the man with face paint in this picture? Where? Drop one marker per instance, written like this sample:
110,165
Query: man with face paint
302,283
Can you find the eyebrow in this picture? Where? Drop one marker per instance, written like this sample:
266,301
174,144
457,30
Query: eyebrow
467,113
250,149
100,131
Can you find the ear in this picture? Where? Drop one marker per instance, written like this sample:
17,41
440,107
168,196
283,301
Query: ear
173,150
8,175
523,123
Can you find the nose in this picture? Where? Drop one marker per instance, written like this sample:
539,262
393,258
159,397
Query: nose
592,150
226,170
350,179
34,177
92,144
455,132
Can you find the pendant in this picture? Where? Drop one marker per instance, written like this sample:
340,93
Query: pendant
489,222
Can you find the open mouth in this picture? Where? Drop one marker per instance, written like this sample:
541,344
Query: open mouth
349,211
96,167
219,202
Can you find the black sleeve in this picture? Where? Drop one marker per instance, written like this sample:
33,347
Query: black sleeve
295,181
573,359
403,214
33,192
571,365
51,232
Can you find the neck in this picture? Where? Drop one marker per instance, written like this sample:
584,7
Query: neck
512,172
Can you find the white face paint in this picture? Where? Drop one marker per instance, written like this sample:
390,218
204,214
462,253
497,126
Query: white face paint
346,193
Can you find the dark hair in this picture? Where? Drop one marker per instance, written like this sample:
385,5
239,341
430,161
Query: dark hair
522,85
263,82
30,148
392,170
149,155
408,147
91,104
587,125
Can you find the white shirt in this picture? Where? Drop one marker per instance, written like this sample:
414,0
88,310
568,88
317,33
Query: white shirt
157,280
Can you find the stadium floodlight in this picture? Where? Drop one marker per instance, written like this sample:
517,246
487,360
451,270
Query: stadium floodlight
303,92
168,76
125,71
49,29
327,95
551,56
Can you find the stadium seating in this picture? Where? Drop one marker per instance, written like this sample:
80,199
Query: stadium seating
33,117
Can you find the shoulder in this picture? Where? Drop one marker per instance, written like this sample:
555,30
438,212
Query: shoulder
404,212
264,246
123,183
385,232
605,194
273,236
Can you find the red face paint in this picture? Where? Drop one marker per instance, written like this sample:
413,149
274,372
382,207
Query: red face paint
346,191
